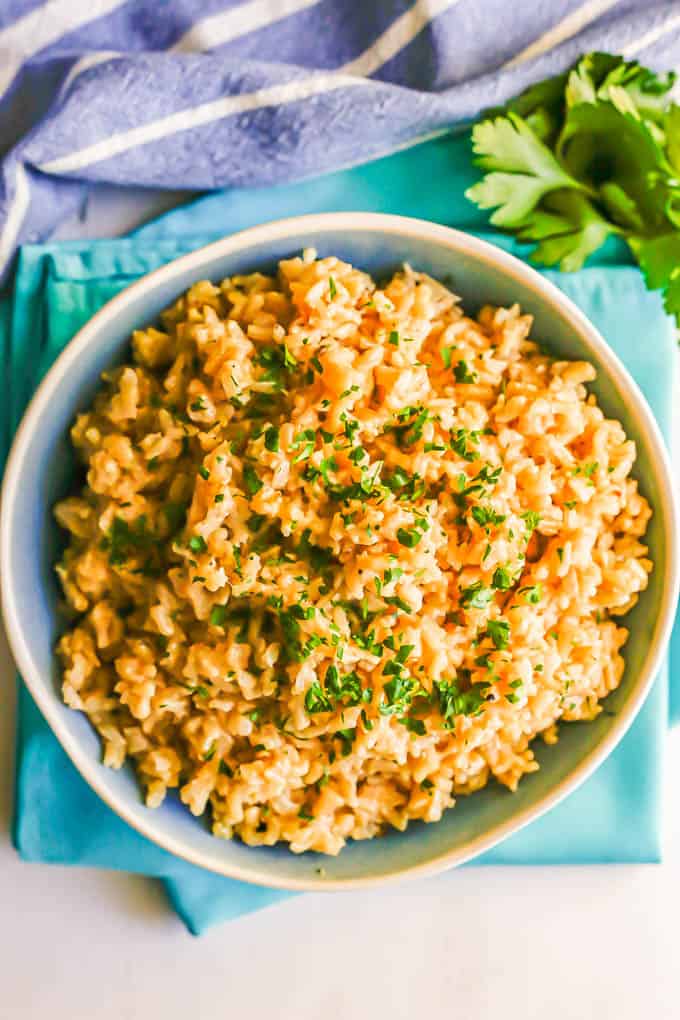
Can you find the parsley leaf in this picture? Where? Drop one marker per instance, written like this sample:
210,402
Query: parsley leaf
531,519
453,700
477,596
271,439
463,374
408,537
499,632
502,579
585,155
659,259
316,699
218,615
251,480
522,170
485,515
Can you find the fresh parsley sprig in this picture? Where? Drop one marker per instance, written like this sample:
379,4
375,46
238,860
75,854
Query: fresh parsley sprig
583,156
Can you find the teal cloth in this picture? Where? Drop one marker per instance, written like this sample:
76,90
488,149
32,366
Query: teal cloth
615,815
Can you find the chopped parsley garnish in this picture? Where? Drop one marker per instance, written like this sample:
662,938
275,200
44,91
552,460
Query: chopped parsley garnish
453,700
204,473
272,359
486,515
462,373
408,425
499,632
486,478
316,699
124,539
531,519
532,594
405,486
304,442
332,289
414,725
350,426
197,544
409,537
327,464
271,439
251,481
368,724
476,596
317,556
394,600
347,737
347,688
460,442
399,692
218,615
502,579
294,647
403,653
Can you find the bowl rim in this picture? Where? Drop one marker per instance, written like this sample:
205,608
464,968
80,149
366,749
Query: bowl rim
458,242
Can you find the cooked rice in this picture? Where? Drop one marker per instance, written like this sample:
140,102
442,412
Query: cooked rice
342,553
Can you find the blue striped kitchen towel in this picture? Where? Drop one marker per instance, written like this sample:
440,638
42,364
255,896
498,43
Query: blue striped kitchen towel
205,94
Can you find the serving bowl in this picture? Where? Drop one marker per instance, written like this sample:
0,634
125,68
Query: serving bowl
41,470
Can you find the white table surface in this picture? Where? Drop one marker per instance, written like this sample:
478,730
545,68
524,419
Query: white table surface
567,943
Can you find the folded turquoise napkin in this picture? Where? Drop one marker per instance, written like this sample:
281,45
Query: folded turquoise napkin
615,815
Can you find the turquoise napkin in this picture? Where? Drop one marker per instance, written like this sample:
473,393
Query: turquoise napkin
615,815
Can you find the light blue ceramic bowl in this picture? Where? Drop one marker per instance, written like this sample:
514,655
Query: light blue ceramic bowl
41,469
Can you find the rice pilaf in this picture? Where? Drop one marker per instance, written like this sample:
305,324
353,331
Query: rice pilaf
343,553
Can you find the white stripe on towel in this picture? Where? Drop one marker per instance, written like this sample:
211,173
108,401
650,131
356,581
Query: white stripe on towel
42,27
196,116
395,38
562,31
651,37
218,29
